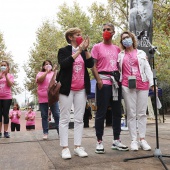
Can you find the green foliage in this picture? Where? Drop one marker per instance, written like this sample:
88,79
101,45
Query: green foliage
48,41
6,56
50,36
161,38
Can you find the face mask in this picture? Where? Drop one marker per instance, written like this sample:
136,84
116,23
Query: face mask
79,40
107,35
48,67
3,68
127,42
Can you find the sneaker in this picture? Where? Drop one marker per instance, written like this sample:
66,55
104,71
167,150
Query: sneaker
65,154
80,152
6,135
0,135
119,146
99,147
45,137
144,145
134,146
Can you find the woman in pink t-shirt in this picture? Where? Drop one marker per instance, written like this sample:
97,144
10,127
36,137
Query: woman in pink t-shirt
6,81
137,78
30,119
15,115
43,79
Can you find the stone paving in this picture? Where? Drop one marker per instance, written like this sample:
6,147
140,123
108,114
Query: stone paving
27,151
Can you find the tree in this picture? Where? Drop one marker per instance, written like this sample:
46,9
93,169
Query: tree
161,38
6,56
48,40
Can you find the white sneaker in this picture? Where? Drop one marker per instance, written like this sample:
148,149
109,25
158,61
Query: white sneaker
134,146
119,146
65,154
45,137
144,145
99,147
80,152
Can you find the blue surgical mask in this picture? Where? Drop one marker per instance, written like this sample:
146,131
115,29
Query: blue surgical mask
127,42
3,68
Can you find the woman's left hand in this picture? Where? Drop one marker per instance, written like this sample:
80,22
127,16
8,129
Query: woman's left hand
152,88
86,43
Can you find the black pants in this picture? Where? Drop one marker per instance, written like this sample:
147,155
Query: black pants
86,119
15,126
4,110
104,99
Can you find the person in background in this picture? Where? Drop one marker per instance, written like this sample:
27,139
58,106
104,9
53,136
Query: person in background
6,82
43,79
15,115
30,119
137,78
74,59
87,115
108,88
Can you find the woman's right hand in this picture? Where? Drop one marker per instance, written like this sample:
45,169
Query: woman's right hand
84,45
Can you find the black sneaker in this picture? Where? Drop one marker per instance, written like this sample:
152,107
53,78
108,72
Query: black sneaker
6,135
0,135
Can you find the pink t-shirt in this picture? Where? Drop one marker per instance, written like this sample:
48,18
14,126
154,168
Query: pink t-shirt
5,90
42,87
78,74
106,56
30,115
14,114
131,67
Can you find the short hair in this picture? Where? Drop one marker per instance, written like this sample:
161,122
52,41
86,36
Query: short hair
133,39
71,32
110,25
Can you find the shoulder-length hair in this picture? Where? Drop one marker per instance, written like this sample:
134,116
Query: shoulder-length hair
130,35
7,63
43,64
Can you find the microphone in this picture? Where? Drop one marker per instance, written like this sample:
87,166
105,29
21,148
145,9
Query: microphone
140,35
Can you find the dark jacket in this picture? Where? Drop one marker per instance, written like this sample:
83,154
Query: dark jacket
66,60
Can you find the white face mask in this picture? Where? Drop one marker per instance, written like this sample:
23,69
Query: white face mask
48,67
3,68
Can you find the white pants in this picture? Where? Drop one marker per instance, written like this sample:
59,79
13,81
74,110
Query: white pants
78,99
136,104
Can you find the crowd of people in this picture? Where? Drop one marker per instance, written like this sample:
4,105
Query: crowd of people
119,71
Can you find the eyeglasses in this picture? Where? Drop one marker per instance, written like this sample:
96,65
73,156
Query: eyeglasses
108,29
3,65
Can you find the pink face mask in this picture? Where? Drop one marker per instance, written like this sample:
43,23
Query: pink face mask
48,67
79,40
107,35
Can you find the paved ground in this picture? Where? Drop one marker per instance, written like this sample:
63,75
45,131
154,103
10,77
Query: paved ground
27,151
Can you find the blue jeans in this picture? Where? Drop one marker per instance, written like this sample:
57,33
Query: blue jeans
104,99
44,115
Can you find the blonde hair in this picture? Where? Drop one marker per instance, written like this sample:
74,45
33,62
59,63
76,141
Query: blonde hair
130,35
70,32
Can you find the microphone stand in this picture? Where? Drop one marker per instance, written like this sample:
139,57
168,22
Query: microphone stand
157,153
